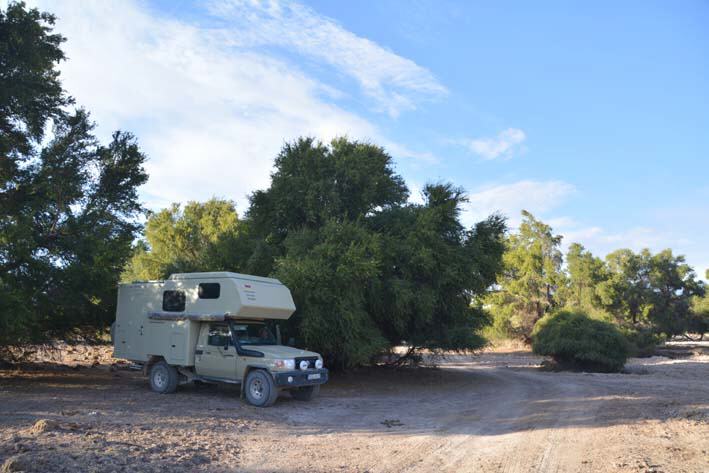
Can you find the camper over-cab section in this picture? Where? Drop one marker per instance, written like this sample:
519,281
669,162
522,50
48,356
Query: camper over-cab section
214,327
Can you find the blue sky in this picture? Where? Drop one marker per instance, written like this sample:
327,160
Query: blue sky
592,115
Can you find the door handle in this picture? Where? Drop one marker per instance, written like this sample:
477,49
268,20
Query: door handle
228,356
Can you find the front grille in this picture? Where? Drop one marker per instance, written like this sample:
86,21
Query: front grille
311,362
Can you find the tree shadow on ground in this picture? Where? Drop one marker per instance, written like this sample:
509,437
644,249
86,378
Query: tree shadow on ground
476,401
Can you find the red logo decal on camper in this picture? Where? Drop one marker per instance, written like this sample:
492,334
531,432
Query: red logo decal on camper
247,285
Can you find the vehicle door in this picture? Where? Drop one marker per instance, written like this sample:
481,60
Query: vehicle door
216,355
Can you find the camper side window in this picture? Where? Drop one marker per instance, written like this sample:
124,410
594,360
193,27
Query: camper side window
173,301
209,290
219,336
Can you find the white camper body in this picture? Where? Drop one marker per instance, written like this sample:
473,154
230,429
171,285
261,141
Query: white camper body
163,318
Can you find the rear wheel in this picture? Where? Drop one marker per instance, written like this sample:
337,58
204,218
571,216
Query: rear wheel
306,393
163,378
260,389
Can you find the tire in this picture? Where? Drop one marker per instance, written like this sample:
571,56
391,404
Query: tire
163,378
306,393
260,389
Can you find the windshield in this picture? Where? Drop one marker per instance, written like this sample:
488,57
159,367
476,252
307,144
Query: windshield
253,333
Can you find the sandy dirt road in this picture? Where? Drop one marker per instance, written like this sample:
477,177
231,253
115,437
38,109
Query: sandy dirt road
493,412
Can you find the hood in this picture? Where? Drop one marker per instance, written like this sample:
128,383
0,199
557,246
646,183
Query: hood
281,351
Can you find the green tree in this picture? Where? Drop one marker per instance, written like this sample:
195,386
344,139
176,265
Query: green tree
673,283
699,318
529,280
367,270
329,271
432,268
585,273
626,292
650,290
30,92
314,183
68,204
201,237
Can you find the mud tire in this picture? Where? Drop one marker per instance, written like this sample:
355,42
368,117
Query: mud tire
260,389
163,378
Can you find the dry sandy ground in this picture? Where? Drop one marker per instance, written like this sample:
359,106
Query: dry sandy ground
494,412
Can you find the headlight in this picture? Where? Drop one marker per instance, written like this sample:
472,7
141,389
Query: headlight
304,365
318,364
285,364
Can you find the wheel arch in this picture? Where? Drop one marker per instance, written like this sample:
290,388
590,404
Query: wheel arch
249,369
152,359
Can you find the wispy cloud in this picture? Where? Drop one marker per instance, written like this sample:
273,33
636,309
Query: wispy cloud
211,114
537,197
506,144
395,83
602,241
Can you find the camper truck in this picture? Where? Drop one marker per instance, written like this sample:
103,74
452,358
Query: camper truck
211,328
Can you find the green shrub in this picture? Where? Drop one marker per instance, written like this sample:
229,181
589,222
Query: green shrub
642,342
575,340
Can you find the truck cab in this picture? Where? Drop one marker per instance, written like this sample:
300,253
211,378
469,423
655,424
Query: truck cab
215,328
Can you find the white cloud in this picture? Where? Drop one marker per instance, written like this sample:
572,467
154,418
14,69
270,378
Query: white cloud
212,115
416,195
394,82
537,197
505,145
601,241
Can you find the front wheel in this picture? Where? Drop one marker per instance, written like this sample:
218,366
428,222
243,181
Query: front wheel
306,393
260,389
163,378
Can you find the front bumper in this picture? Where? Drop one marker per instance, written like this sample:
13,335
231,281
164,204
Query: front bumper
297,378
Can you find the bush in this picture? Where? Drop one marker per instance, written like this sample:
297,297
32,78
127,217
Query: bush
642,342
573,339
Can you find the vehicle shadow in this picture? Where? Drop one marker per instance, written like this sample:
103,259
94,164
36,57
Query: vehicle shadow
474,399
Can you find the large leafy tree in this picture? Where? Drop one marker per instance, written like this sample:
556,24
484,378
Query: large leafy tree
699,317
432,267
68,204
527,285
30,91
314,183
329,271
650,290
199,237
626,292
584,273
367,270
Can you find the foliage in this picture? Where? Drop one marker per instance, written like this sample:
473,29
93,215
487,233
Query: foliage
699,318
650,290
329,271
432,266
644,293
201,237
30,92
68,204
531,275
367,270
584,274
314,183
573,338
642,341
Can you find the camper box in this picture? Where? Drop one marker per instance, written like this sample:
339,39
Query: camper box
162,318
